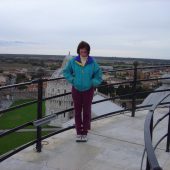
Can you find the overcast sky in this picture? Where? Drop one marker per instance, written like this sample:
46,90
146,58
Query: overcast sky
122,28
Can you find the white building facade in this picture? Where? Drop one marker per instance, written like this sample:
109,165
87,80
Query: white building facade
59,103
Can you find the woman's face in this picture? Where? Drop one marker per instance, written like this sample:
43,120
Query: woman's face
83,52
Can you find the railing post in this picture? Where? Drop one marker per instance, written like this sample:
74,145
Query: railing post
168,136
39,114
134,89
151,131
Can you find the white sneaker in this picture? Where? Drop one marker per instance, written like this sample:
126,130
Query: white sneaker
84,138
78,138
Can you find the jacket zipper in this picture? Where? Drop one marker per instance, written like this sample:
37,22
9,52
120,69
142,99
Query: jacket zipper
82,76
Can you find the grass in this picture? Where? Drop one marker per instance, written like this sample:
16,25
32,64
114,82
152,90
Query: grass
20,116
16,118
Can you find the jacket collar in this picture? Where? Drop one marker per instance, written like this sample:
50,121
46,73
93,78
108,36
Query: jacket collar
78,60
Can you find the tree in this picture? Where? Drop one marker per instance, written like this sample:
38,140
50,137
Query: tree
21,78
104,89
119,90
40,72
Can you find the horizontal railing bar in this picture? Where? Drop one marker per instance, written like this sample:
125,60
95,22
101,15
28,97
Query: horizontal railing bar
32,102
108,114
35,101
58,78
139,107
131,81
147,67
153,79
151,91
56,96
56,132
16,150
115,70
160,140
159,120
124,82
18,84
130,94
18,106
15,129
44,120
150,67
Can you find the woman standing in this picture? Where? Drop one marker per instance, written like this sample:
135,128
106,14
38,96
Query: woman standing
84,74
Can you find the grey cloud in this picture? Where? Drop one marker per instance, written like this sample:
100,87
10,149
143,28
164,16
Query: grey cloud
111,27
16,43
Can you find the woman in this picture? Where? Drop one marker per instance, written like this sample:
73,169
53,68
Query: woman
84,74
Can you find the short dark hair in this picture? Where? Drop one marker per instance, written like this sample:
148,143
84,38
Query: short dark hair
85,45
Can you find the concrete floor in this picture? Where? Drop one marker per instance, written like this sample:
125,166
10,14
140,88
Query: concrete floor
115,143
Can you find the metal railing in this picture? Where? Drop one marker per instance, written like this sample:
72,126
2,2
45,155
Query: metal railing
152,162
44,120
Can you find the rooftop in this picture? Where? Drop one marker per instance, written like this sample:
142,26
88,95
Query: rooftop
115,142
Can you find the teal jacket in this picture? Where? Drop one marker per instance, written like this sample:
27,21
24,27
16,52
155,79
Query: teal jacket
82,77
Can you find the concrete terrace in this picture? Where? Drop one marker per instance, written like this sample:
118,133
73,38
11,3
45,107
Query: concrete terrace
115,143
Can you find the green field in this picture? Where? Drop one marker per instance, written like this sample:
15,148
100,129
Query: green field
15,118
20,116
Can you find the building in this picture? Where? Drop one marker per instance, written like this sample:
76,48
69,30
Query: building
59,103
3,80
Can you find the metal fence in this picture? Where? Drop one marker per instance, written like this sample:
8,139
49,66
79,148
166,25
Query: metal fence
46,119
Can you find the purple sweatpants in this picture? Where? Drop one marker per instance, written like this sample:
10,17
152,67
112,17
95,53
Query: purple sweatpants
82,100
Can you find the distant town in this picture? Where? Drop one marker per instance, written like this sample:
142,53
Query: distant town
18,68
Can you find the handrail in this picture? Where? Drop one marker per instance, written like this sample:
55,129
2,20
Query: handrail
111,84
148,144
64,94
152,162
111,98
58,78
41,119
